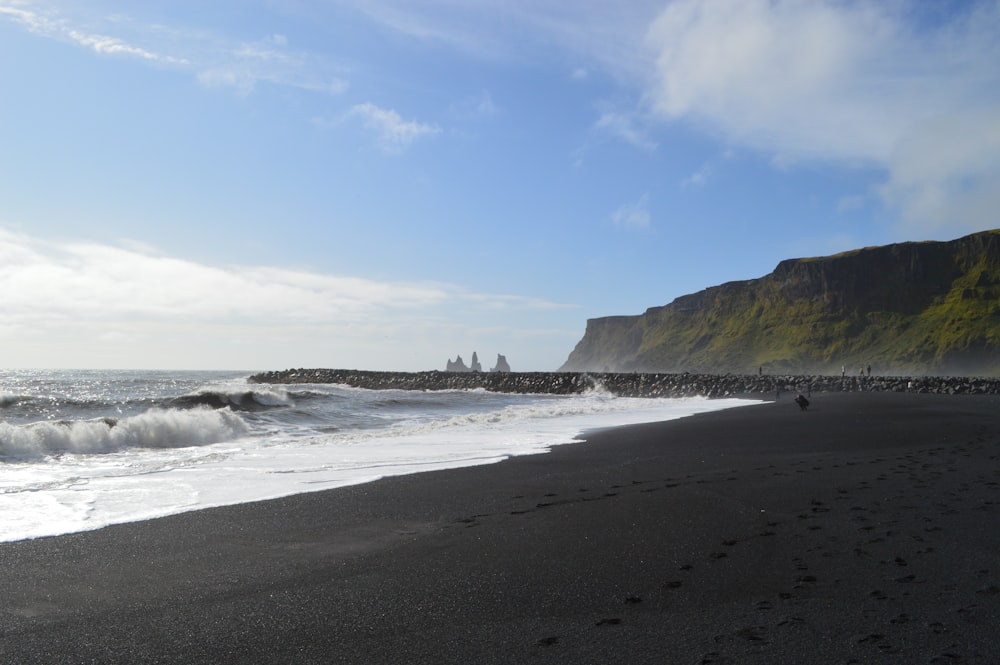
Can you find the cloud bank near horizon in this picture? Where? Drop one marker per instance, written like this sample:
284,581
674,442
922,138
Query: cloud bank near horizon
64,296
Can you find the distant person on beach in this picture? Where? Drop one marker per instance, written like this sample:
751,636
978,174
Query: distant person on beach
801,400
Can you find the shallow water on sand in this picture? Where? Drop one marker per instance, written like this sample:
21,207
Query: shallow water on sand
80,450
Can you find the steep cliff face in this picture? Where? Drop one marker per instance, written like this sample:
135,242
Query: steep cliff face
914,308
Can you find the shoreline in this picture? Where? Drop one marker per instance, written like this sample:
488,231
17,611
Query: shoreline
853,532
634,384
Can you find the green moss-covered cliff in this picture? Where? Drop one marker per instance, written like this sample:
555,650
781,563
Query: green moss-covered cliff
909,308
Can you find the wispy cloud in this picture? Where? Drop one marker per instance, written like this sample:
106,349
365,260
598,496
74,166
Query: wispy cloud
513,302
271,60
626,127
600,31
477,107
51,25
392,131
216,61
633,215
698,178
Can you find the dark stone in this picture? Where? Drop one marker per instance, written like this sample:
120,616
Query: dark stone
502,365
628,384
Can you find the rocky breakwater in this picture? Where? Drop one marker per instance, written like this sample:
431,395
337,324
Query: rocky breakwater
631,384
556,383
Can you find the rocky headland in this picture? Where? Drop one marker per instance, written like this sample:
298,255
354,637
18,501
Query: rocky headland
927,308
626,384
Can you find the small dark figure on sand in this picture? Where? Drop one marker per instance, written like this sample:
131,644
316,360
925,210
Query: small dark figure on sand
802,401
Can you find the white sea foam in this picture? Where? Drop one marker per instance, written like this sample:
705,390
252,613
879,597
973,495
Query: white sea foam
157,428
80,450
168,461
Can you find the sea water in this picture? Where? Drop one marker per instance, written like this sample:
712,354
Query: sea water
80,450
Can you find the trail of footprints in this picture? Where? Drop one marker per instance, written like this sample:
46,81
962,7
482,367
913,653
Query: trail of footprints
879,522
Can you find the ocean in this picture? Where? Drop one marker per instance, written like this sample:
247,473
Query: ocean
80,450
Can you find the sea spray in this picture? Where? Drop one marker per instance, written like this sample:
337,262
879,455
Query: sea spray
157,428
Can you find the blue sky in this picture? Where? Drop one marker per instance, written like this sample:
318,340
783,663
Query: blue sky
262,184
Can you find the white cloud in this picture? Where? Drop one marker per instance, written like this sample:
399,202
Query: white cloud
82,304
269,60
854,83
476,108
112,46
118,337
851,203
947,172
240,80
698,178
625,126
50,25
393,132
633,215
86,281
483,106
513,302
786,76
599,31
217,62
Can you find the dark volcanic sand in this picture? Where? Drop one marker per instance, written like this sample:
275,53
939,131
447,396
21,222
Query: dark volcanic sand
865,530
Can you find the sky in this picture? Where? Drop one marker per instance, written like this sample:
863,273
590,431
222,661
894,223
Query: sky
386,184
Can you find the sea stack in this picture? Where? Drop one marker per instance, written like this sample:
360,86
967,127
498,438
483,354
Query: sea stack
502,365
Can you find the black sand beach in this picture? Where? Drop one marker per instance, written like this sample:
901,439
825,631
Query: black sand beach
865,530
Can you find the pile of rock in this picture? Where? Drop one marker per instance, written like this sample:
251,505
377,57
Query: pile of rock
630,384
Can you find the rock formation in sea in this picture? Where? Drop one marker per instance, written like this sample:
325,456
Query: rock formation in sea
458,365
501,365
926,308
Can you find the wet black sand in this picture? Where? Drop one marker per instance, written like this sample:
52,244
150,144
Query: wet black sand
865,530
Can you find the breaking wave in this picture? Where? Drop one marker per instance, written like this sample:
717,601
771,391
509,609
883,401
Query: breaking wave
157,428
237,399
7,400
